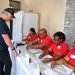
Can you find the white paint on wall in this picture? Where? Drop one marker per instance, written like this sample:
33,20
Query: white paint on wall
3,4
52,13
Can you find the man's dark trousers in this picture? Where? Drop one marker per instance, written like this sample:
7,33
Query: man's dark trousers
5,63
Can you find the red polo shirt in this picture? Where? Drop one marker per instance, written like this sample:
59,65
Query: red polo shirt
62,48
47,41
71,56
31,37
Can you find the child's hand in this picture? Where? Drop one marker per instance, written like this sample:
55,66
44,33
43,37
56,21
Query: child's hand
46,60
53,64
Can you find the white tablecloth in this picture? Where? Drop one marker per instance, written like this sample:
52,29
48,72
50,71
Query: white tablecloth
21,65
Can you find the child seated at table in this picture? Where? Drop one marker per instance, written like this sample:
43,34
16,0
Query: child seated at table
31,36
43,42
57,50
68,60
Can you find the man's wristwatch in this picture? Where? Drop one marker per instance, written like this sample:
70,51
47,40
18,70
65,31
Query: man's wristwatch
13,48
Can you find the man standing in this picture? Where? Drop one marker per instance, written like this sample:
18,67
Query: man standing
5,42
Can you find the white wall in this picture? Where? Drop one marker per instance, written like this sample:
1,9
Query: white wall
3,4
52,13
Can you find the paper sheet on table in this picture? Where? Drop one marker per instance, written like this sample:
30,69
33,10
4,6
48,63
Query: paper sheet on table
35,50
46,56
45,65
34,67
29,68
72,73
63,70
49,72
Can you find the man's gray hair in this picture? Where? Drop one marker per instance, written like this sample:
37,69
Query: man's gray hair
5,12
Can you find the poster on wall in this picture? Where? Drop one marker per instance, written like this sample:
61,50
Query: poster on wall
17,26
22,23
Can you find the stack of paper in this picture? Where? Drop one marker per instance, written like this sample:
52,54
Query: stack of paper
35,51
34,67
49,72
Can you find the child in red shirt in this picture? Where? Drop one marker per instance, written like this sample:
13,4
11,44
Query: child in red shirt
43,42
31,36
68,60
58,49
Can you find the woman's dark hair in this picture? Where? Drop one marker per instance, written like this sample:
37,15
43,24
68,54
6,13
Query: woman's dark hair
33,30
61,35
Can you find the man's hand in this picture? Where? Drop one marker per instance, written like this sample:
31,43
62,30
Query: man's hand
74,70
46,60
58,62
15,52
41,56
53,64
